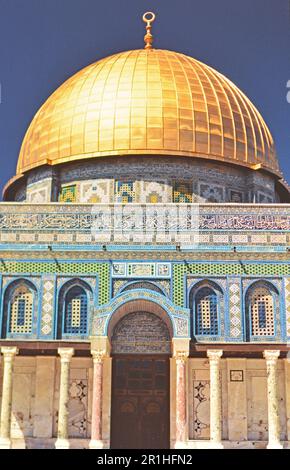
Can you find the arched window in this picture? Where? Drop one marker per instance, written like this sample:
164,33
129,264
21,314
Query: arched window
19,307
206,312
75,312
260,304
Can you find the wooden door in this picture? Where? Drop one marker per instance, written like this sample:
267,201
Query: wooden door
140,402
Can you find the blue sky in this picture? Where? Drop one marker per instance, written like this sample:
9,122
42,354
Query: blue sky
43,42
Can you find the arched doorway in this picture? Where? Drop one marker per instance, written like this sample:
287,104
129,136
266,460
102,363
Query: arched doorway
141,347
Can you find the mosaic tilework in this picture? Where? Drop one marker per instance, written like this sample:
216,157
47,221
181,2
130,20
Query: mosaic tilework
211,193
68,194
236,196
235,308
125,191
47,306
39,192
71,269
99,326
144,270
38,196
212,269
36,281
287,304
119,285
182,192
95,191
181,327
153,192
106,311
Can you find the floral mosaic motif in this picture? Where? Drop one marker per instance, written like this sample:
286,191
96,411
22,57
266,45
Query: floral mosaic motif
145,270
153,192
8,279
181,327
211,193
141,269
95,191
99,326
201,411
122,285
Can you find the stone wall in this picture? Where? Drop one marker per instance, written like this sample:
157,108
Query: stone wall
244,401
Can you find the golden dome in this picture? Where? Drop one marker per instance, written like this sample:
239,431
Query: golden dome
144,102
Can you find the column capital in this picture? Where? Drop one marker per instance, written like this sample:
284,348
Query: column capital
98,355
214,354
9,352
271,356
65,354
180,356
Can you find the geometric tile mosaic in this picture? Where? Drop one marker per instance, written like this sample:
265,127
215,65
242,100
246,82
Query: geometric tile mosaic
47,306
68,194
125,191
71,269
182,192
226,269
95,191
287,304
235,308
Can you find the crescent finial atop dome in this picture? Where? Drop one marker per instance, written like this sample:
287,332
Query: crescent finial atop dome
148,38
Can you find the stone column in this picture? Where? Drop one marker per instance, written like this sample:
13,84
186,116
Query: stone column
8,358
97,401
180,357
215,399
62,441
273,405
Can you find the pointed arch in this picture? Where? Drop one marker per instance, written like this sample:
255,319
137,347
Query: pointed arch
75,301
206,301
262,309
20,308
141,284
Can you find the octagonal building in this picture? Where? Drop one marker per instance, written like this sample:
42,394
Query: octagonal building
144,275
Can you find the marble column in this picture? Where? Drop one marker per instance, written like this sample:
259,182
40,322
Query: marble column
97,401
181,435
215,399
62,441
9,354
273,404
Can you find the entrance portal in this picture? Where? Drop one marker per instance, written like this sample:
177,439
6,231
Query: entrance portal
140,382
140,408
